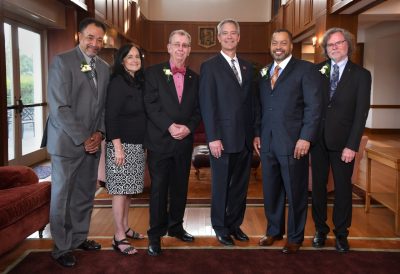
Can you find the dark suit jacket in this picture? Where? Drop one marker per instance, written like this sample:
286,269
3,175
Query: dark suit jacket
76,105
344,116
227,106
292,110
163,108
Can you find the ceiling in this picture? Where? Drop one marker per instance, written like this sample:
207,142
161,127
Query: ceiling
386,11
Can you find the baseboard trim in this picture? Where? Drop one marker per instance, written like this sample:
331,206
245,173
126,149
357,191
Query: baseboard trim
382,130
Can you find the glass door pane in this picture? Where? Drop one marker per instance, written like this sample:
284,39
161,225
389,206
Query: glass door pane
30,67
10,91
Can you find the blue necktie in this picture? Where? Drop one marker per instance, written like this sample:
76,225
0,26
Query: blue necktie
334,80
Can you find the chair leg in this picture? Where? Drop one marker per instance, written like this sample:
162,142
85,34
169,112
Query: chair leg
197,172
41,232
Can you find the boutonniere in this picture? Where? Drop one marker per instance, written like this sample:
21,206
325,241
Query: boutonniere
167,73
264,72
87,69
325,70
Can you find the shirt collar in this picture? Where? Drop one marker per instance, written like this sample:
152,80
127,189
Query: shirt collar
87,58
228,58
282,64
341,64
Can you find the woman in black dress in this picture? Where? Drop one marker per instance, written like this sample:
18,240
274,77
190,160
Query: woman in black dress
125,129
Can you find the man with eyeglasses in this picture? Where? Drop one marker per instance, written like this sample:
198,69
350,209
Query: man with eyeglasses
76,91
226,97
287,119
171,102
346,89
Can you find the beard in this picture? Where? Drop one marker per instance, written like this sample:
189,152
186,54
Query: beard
280,57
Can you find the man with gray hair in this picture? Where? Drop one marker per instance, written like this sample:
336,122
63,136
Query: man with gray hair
226,98
171,102
346,91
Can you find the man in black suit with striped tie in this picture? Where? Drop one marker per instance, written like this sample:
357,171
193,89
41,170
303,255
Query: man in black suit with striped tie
226,106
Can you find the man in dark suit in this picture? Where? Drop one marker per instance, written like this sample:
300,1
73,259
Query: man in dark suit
76,93
346,89
171,101
226,107
286,124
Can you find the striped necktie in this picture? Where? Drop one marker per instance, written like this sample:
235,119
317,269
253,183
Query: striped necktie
235,71
334,81
275,76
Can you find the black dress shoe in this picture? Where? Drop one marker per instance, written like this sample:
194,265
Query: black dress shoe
154,248
319,239
239,235
182,235
66,260
225,240
342,245
89,245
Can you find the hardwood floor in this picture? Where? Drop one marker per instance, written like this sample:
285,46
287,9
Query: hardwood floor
373,230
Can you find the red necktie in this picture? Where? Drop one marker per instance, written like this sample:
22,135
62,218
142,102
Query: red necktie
181,70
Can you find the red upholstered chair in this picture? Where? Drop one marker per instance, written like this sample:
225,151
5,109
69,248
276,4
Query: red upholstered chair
24,205
354,178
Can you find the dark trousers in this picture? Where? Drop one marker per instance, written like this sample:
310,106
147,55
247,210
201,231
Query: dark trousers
169,173
284,176
230,180
321,160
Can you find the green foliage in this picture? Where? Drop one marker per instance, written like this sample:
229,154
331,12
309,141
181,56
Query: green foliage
26,65
27,88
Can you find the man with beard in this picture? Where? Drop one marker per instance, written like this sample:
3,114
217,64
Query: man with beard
346,92
287,118
76,91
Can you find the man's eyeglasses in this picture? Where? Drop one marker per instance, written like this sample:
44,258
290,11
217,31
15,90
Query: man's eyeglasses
336,44
184,45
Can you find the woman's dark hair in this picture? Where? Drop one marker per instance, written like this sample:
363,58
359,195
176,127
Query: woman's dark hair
119,69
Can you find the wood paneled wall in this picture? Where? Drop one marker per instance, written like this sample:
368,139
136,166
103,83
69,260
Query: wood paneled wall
253,45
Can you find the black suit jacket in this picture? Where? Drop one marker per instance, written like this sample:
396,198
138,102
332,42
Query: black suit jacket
163,108
292,110
344,116
226,106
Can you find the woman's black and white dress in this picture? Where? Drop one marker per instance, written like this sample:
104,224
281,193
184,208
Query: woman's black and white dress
126,120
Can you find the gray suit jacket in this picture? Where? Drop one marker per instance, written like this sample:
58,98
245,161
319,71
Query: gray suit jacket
76,104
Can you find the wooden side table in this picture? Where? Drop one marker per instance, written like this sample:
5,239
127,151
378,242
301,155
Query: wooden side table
388,156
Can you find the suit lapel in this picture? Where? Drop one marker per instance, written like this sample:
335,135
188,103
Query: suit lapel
228,68
170,82
289,67
187,85
343,79
86,74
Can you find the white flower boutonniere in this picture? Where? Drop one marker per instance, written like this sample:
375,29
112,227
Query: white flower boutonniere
85,67
264,72
325,70
167,73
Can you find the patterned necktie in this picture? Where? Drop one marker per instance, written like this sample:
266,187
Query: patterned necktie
275,76
92,64
235,71
334,81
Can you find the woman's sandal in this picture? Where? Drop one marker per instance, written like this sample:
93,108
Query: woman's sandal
127,250
135,235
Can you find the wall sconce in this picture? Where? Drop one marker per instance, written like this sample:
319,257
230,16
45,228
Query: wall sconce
314,41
